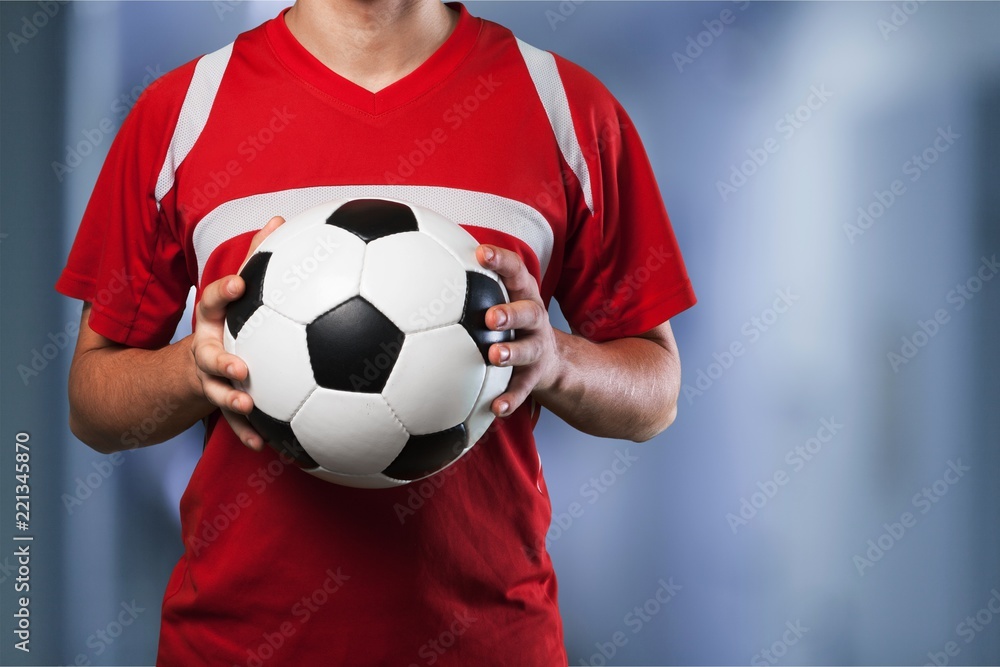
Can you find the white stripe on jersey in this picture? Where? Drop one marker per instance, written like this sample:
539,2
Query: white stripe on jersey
468,207
194,115
548,84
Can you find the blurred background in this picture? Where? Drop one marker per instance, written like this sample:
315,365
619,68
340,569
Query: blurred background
829,493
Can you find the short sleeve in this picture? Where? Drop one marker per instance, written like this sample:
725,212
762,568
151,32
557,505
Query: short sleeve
622,272
127,259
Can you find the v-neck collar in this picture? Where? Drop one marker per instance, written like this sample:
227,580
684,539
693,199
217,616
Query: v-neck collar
432,71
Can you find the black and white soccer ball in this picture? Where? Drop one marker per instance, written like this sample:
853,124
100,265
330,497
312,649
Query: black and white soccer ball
363,329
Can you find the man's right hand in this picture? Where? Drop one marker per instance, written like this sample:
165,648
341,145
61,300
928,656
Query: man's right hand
216,368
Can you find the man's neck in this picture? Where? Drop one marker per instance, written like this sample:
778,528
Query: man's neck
371,42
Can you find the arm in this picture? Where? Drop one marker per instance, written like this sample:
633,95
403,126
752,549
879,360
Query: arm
120,396
123,397
624,388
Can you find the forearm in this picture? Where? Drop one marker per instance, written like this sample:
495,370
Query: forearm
121,397
625,388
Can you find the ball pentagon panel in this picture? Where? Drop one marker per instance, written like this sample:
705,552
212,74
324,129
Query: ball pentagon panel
371,219
424,455
252,273
353,347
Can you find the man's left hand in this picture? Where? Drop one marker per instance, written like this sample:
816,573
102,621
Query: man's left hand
534,353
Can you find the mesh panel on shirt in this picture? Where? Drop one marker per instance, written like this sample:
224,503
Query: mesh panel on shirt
466,207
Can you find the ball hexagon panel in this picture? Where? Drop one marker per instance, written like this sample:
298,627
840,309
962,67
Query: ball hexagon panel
317,269
371,219
351,433
239,311
482,293
414,281
497,379
280,437
460,243
279,383
310,217
353,347
436,380
425,455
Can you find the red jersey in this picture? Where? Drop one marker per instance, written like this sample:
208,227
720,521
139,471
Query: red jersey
521,147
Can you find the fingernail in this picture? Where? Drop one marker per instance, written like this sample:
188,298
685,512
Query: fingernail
231,288
504,354
488,253
231,370
504,408
236,404
501,317
253,443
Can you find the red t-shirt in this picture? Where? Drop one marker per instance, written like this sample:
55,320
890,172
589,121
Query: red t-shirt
525,150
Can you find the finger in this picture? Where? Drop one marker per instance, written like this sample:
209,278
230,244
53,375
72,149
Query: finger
522,352
519,282
521,384
244,431
211,357
265,231
222,394
218,295
523,314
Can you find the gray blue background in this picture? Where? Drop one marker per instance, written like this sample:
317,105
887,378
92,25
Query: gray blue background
894,77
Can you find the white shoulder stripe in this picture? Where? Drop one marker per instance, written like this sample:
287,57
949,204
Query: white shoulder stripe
468,207
194,114
545,76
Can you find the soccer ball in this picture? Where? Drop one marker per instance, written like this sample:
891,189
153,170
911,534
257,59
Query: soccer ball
363,329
